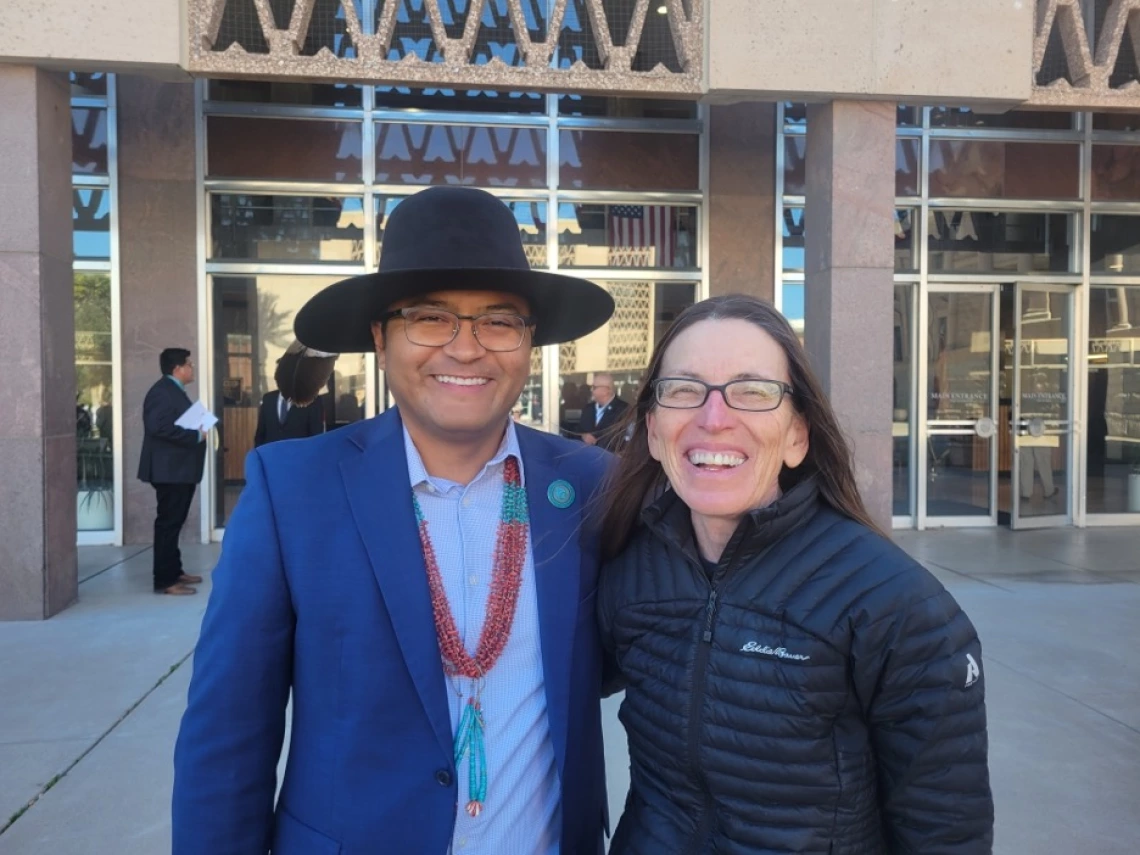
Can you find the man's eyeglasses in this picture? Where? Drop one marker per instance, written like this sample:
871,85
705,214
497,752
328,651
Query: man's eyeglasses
753,396
431,327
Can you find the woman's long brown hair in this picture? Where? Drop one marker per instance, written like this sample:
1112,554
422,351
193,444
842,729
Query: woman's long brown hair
638,477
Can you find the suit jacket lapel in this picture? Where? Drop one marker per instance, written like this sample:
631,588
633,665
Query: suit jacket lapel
378,492
557,569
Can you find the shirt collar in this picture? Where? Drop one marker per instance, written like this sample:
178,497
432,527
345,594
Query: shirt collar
177,382
509,447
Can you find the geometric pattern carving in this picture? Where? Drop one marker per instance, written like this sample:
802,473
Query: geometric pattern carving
1072,71
588,46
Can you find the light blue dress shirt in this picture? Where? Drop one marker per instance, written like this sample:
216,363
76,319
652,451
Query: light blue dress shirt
523,810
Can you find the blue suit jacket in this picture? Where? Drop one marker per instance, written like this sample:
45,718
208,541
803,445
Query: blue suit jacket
321,589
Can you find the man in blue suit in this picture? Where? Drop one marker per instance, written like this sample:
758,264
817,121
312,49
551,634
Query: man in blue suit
423,583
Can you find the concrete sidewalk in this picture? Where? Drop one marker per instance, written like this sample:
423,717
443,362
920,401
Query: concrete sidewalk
92,698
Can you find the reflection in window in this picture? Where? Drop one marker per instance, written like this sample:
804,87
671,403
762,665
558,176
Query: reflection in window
621,348
94,411
602,106
88,85
283,149
627,160
531,217
990,169
908,177
906,247
457,154
281,92
89,140
902,383
91,223
458,100
597,235
286,228
1113,484
1115,244
1000,242
1116,172
965,117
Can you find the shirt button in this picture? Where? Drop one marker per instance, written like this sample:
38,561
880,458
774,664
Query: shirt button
466,501
443,777
462,842
473,580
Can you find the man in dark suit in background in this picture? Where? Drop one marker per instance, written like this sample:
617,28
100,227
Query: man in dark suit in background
601,416
294,411
172,461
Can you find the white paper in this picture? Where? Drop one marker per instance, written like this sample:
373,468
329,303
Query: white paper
197,418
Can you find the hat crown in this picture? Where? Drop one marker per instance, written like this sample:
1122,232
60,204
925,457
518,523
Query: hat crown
447,228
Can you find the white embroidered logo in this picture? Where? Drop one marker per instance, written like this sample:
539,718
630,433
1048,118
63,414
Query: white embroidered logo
973,672
778,652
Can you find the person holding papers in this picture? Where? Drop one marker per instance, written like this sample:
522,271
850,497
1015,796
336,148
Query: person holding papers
172,460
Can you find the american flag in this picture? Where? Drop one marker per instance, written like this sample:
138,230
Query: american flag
643,227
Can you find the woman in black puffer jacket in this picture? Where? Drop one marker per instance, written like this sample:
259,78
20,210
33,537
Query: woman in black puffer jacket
794,681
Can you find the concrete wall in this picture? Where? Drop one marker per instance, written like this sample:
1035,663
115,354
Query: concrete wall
966,51
38,570
742,207
158,220
95,35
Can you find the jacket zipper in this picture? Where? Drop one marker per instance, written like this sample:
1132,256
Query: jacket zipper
700,666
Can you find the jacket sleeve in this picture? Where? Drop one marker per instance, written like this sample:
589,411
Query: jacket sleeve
259,431
225,759
613,681
160,412
918,674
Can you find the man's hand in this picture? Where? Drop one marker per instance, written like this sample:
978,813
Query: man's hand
589,439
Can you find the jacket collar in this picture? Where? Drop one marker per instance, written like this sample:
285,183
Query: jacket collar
669,518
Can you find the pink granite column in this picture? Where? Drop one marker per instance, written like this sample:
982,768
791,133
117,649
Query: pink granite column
849,268
158,225
742,206
38,570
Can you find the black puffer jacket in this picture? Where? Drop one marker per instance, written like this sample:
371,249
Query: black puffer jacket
822,693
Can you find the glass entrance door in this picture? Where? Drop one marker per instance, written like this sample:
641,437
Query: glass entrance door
1041,422
958,482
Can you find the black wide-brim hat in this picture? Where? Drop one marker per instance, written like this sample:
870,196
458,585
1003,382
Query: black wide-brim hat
450,239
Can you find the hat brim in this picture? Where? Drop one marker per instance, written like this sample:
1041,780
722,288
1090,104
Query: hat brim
339,318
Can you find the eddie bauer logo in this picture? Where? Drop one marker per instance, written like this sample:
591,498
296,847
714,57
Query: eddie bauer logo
973,672
778,652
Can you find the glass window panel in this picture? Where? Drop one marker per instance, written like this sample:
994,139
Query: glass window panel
88,85
457,154
792,306
528,409
1000,242
959,357
1113,484
1116,121
283,149
1115,244
245,227
89,140
280,92
626,160
627,235
621,348
795,165
902,385
625,108
908,117
530,215
905,246
795,113
964,117
94,411
91,223
253,324
988,169
908,175
1116,172
459,100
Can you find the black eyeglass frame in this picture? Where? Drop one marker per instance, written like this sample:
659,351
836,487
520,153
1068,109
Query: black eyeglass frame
785,391
528,322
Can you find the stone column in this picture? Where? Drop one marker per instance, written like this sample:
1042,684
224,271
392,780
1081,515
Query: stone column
38,570
742,206
849,269
157,266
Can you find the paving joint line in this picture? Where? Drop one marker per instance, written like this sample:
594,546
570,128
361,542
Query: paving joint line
12,820
971,578
116,564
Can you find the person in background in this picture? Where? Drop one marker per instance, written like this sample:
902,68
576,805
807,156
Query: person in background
172,462
293,410
601,417
794,681
104,418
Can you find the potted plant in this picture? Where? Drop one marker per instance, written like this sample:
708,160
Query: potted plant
95,500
